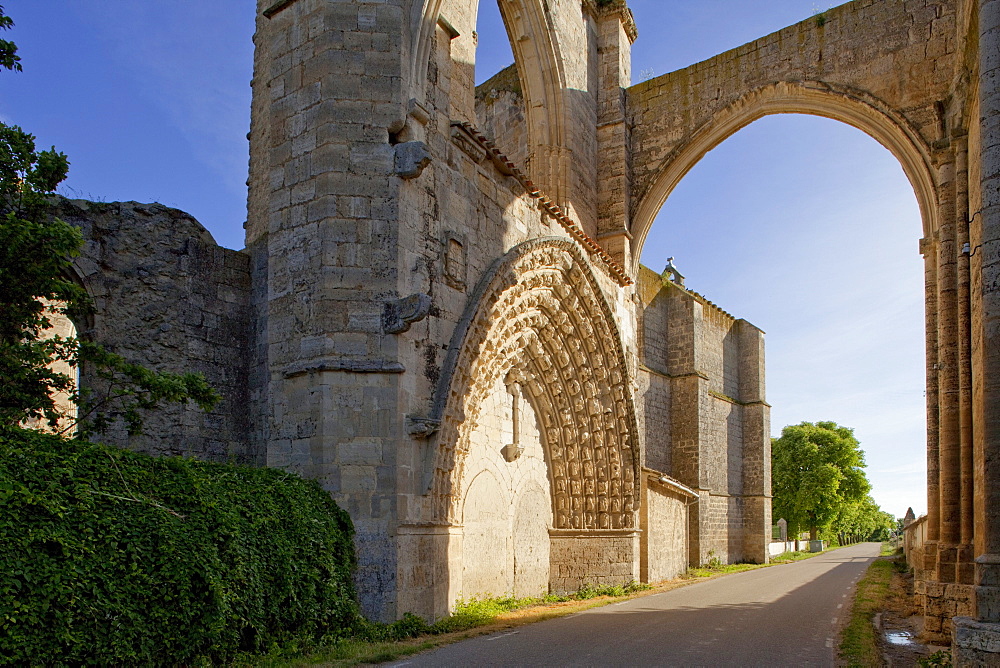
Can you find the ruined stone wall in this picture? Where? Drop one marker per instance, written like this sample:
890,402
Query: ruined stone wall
380,209
890,69
500,114
167,297
61,326
399,266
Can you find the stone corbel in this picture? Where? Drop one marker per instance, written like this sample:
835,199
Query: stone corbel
417,111
511,452
926,245
399,314
411,159
421,427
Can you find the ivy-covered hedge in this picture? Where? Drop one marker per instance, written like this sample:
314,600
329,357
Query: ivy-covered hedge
113,557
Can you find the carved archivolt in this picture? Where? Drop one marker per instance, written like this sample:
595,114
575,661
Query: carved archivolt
542,316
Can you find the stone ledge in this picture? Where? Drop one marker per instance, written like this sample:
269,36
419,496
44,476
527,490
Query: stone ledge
593,533
975,635
346,365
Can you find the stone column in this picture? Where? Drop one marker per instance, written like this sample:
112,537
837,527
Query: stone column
925,564
615,34
928,248
977,641
987,472
948,426
965,567
688,385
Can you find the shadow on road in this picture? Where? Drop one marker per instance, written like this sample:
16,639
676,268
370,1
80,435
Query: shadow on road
780,616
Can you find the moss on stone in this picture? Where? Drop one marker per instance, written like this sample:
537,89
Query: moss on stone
504,81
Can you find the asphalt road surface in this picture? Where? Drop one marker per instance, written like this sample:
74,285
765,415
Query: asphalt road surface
786,615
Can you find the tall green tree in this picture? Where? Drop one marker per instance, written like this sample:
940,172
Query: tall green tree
36,250
817,470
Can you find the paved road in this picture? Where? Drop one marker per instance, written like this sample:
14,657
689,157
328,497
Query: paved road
781,616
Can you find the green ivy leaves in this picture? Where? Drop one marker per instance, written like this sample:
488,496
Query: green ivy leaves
113,557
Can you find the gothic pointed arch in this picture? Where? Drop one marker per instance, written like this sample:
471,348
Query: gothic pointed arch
540,68
540,315
842,103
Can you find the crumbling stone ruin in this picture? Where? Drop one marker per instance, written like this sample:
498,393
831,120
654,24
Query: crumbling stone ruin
440,315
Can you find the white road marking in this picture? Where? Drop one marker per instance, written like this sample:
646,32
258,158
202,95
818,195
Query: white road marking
512,633
839,606
834,620
829,642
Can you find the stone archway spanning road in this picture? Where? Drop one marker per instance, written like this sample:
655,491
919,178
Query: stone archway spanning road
907,74
866,64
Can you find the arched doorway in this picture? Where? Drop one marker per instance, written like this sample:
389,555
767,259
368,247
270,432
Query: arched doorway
538,436
61,328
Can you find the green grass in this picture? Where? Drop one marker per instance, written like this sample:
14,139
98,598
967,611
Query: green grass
888,549
789,557
714,568
377,643
859,643
711,571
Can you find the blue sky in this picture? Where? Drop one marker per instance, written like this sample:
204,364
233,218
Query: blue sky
804,226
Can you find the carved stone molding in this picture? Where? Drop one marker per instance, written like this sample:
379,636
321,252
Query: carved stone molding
462,138
349,365
542,324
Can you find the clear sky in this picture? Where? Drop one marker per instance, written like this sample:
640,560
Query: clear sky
803,226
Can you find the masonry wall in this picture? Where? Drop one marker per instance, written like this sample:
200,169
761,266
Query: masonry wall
168,297
704,418
665,536
500,114
582,558
654,379
372,192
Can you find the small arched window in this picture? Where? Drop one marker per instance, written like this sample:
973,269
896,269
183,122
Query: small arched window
61,327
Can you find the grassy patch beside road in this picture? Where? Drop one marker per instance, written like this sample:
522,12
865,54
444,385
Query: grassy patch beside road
859,644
